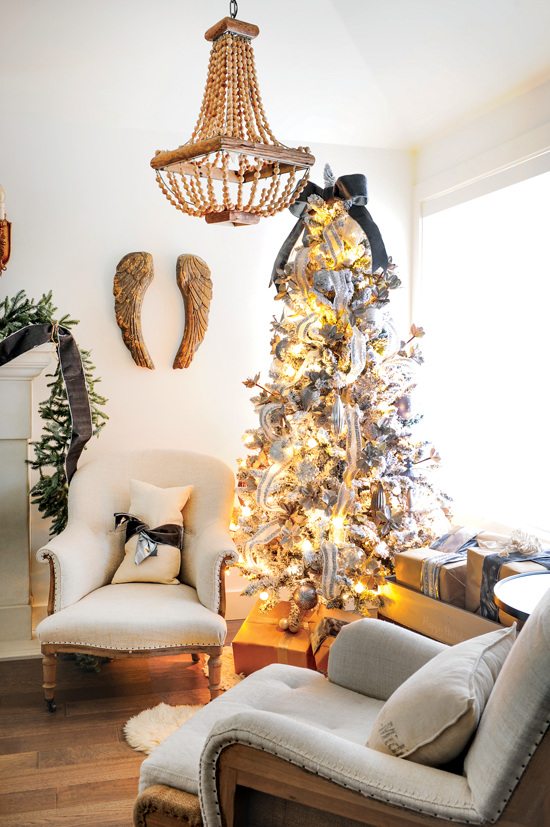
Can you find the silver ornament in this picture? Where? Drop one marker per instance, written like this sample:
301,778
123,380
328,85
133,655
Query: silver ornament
321,280
338,417
305,596
306,471
372,316
403,407
378,500
353,558
283,624
281,450
282,348
372,320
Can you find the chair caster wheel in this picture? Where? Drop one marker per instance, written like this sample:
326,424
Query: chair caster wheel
51,705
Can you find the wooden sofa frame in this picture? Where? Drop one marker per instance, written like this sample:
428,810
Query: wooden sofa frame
245,767
50,650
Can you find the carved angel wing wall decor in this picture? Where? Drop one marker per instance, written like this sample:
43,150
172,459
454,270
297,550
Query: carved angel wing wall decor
134,274
195,284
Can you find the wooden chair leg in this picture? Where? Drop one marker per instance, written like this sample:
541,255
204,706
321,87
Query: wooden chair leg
195,658
49,664
214,674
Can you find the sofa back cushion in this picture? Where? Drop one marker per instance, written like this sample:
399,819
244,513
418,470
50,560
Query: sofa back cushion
516,717
431,717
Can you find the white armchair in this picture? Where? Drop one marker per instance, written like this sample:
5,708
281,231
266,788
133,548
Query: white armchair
288,747
88,614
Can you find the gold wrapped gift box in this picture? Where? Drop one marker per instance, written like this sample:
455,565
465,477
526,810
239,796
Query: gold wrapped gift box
431,617
475,567
452,576
260,641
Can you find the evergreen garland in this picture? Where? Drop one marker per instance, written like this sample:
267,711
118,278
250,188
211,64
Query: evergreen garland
51,491
21,311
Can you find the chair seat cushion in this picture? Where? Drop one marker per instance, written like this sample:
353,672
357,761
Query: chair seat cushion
296,693
135,616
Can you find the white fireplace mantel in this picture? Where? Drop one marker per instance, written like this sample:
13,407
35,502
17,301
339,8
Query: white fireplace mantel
15,430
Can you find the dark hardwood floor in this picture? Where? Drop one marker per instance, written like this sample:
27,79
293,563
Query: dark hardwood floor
74,768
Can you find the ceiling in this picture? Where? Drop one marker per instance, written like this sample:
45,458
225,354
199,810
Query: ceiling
380,73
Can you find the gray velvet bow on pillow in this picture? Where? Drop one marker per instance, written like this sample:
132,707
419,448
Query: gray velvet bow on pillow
149,538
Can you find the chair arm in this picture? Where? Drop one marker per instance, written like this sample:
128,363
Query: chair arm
326,755
203,564
374,657
80,561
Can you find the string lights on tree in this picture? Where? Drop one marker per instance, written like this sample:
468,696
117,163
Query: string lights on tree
334,484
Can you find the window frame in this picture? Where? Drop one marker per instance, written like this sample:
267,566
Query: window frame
508,164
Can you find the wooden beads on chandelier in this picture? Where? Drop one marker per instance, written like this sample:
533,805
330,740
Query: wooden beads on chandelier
232,131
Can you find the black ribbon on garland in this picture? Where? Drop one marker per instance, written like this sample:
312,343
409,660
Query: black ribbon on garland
73,376
148,538
347,188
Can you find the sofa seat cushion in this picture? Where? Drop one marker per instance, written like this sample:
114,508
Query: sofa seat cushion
135,616
299,694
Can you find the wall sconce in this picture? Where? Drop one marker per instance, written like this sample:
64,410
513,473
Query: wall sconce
5,233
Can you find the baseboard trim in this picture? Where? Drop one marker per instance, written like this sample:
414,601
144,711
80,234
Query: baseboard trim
20,650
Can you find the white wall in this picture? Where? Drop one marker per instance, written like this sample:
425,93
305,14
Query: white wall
81,196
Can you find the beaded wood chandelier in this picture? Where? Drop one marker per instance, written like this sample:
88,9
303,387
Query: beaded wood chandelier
232,143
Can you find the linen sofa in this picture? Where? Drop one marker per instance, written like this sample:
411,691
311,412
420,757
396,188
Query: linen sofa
287,746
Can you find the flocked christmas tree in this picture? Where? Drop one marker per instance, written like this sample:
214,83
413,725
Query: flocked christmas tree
335,483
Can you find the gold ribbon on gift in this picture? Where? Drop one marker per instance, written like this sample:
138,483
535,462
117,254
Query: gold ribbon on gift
272,620
285,644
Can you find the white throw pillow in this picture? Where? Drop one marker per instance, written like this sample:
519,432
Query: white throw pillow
431,717
155,507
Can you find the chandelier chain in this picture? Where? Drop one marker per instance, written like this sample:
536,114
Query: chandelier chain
233,8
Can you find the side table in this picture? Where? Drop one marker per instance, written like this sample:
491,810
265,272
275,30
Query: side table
518,595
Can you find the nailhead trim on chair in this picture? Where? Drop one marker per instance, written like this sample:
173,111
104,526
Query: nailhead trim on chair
124,648
43,555
530,755
217,575
329,777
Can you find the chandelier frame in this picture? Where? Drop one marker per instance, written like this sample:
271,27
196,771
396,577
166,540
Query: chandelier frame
231,113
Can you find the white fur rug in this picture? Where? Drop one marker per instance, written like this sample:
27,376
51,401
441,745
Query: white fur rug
144,732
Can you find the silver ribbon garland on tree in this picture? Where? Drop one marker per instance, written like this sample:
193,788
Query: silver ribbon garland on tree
266,485
329,557
265,534
353,189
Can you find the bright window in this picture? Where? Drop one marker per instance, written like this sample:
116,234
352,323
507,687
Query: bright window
485,388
